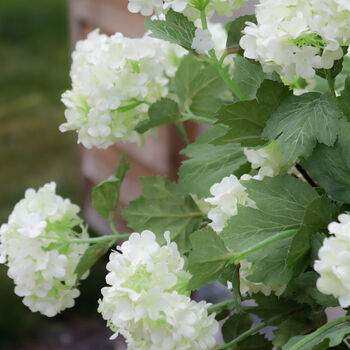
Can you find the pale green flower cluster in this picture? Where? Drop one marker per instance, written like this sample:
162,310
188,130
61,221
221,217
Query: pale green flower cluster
146,302
114,79
32,244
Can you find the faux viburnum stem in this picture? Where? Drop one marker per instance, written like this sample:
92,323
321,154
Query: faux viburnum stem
305,175
318,332
331,82
218,64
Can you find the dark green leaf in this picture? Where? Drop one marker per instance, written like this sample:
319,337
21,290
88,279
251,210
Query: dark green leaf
199,86
163,208
105,196
316,241
344,99
301,121
235,29
207,258
281,203
164,111
91,255
328,167
176,29
246,119
236,325
209,163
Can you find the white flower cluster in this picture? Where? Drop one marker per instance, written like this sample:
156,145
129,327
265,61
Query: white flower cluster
187,7
145,302
202,41
334,261
295,37
32,245
111,77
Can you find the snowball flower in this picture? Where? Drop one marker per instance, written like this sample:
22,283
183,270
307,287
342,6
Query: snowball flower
202,41
334,261
296,37
32,244
227,195
111,77
145,302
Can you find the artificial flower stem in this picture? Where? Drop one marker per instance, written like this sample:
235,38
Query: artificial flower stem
93,240
182,131
220,306
331,82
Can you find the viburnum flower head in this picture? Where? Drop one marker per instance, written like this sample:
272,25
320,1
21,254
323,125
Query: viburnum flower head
296,37
334,261
111,78
32,244
202,41
146,302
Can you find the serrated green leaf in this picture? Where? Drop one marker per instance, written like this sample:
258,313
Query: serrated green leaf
209,163
163,208
327,166
199,86
235,29
301,121
330,338
164,111
247,76
281,202
246,119
105,196
176,29
207,258
91,255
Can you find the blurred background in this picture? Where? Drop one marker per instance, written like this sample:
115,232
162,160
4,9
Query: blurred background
36,38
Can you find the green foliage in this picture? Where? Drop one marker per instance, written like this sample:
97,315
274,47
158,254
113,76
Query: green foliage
344,99
248,76
247,119
164,208
164,111
281,205
301,121
176,29
207,258
105,196
235,28
91,255
209,163
199,87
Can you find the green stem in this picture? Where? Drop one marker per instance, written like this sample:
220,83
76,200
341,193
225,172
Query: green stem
93,240
331,82
182,131
220,306
222,58
317,333
196,118
238,257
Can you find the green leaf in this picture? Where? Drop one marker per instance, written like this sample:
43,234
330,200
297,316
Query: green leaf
209,163
344,99
235,29
303,289
328,167
163,208
316,241
176,29
199,86
301,121
281,202
105,196
344,141
248,76
236,325
164,111
246,119
91,255
207,258
330,338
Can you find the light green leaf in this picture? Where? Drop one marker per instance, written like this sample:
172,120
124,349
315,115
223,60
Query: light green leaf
207,258
344,99
328,167
209,163
301,121
176,29
163,208
164,111
91,255
235,29
246,119
281,202
330,338
105,196
248,76
199,86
